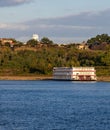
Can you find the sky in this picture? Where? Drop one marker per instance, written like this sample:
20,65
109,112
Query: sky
62,21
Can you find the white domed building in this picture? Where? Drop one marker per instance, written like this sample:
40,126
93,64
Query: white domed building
35,37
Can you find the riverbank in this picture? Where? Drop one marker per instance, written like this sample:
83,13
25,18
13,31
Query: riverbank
104,78
25,77
101,78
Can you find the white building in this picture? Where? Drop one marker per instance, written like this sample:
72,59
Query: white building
35,37
74,73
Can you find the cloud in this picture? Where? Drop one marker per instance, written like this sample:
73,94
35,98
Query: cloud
20,27
82,19
6,3
72,28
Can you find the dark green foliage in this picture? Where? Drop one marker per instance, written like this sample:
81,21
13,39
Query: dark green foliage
46,41
32,43
7,44
100,42
99,39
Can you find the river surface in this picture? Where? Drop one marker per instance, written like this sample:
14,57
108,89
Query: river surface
54,105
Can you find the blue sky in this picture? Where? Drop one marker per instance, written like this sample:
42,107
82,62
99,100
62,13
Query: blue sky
62,21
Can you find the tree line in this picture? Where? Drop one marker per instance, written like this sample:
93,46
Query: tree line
41,59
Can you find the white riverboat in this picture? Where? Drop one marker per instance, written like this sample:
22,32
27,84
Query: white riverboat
74,73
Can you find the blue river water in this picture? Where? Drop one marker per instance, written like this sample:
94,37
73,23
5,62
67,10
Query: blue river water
54,105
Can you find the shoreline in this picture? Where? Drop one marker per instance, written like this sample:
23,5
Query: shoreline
103,78
99,79
25,78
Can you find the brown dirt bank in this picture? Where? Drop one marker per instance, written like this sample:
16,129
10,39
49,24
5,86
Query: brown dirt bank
25,77
104,78
101,78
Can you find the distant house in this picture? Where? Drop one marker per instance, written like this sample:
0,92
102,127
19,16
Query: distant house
82,46
4,41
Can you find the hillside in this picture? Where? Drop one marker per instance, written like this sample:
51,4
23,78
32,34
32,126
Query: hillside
39,58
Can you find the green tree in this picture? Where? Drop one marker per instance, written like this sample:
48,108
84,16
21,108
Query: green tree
46,41
99,39
106,59
32,43
7,44
19,44
99,42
